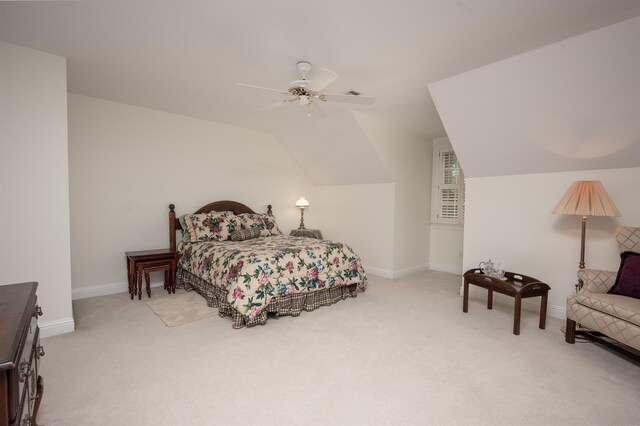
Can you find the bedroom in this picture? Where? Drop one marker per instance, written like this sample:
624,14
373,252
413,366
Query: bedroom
130,134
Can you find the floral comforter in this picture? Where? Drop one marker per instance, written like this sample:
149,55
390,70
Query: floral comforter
254,271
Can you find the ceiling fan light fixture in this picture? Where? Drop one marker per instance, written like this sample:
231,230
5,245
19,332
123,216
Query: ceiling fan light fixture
304,100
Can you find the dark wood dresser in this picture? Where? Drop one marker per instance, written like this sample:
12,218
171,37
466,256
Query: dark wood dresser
21,386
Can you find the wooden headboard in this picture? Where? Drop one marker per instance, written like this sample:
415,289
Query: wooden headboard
216,206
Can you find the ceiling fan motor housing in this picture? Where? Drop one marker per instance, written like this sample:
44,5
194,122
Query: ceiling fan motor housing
301,91
304,67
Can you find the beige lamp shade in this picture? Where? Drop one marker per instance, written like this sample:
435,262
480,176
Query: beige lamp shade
586,198
302,203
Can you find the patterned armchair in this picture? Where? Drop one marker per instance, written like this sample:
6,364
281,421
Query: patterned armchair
616,316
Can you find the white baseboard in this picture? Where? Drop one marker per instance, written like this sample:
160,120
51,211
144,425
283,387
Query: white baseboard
410,270
533,304
386,273
446,268
379,272
53,328
557,311
104,289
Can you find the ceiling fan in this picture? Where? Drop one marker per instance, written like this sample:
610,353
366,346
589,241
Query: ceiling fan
310,94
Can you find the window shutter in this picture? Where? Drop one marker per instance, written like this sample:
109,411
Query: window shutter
450,188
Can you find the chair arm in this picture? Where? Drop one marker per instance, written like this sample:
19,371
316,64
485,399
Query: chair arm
596,281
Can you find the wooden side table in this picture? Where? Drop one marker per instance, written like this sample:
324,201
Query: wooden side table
309,233
145,267
516,285
145,261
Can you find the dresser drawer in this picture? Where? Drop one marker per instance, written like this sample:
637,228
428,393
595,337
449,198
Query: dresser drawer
25,367
20,386
24,411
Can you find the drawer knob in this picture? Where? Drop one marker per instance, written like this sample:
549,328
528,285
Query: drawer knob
40,351
37,312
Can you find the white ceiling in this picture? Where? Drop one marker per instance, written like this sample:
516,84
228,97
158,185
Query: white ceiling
183,57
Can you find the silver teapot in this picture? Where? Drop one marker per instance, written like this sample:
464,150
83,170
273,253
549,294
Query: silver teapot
491,270
488,268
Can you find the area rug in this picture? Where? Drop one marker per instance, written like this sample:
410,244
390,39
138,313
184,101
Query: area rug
181,308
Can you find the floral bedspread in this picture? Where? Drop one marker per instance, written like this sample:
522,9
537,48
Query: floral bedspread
254,271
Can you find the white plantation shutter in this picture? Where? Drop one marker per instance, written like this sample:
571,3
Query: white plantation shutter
450,188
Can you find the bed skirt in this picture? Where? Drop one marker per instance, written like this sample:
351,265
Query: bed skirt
292,304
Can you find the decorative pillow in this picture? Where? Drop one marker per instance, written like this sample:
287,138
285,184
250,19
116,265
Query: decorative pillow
628,279
254,221
186,238
233,223
272,226
264,222
245,234
212,226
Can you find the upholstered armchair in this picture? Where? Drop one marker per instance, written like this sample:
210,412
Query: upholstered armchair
616,316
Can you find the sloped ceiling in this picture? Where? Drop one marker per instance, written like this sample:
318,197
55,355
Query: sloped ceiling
334,151
572,105
184,56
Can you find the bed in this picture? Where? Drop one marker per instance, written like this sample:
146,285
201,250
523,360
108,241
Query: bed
242,264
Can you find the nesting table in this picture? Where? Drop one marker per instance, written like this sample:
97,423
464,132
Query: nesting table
143,262
516,285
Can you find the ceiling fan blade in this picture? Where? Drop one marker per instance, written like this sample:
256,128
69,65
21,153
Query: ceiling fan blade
275,106
351,99
322,79
283,92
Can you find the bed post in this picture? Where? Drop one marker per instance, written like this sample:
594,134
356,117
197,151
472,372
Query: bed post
172,228
269,212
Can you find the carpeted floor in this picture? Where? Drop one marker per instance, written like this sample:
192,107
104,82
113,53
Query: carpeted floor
403,353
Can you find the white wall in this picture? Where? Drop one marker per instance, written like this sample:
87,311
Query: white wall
446,244
361,216
509,220
407,156
127,164
34,185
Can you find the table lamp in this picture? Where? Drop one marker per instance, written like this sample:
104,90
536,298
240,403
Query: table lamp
302,204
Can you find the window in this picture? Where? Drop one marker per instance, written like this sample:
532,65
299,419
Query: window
448,189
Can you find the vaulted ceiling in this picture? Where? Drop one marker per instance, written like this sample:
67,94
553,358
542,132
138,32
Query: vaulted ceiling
183,57
572,105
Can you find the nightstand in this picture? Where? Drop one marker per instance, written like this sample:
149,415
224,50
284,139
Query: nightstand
142,262
309,233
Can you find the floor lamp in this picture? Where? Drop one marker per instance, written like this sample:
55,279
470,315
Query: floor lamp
586,198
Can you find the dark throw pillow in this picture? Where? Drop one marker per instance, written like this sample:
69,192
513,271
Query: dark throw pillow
245,234
628,279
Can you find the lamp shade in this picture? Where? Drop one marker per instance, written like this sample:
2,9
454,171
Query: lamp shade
302,203
586,198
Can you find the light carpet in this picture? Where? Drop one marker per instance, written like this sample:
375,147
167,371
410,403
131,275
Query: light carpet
403,353
180,308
